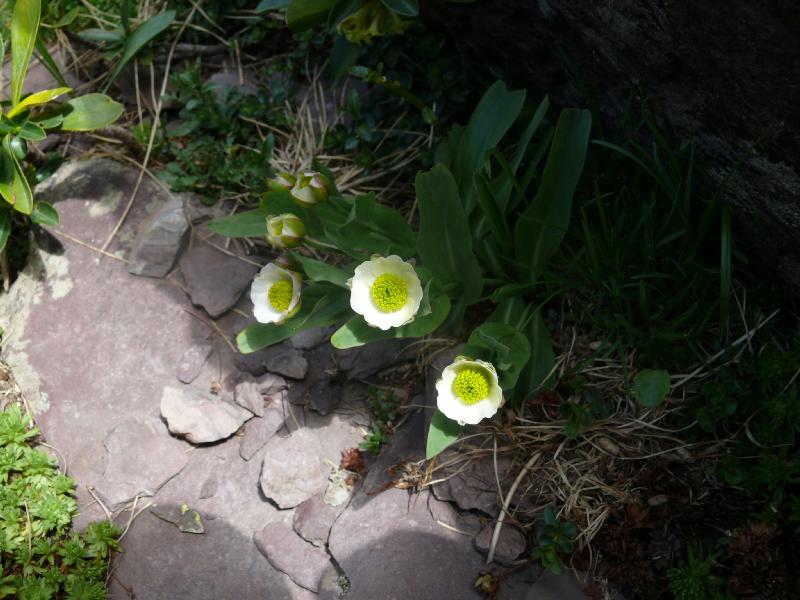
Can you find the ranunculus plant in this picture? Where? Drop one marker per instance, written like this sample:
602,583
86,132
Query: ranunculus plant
482,238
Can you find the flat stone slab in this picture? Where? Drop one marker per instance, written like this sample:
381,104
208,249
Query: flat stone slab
314,518
199,417
390,547
247,394
192,362
159,241
286,551
215,280
141,458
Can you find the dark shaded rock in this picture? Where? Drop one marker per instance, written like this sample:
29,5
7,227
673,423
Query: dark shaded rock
719,73
510,544
247,394
183,517
365,361
214,279
199,417
198,211
286,551
390,547
290,364
406,445
474,486
192,362
314,518
159,241
324,396
142,457
258,432
444,512
311,338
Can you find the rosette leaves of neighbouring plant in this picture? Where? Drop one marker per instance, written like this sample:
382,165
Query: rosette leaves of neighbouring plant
275,293
311,188
282,182
285,231
469,391
386,291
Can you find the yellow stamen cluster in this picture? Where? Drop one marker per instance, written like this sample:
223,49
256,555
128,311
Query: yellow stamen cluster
471,385
389,292
280,294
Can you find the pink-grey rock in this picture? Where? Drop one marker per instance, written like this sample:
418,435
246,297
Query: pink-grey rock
389,547
295,468
314,518
467,523
258,432
286,551
184,518
290,364
214,279
247,394
311,338
142,457
200,417
474,486
159,241
510,545
270,384
192,362
557,587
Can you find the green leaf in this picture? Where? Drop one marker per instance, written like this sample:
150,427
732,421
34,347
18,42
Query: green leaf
91,111
407,8
141,36
5,226
32,132
322,305
491,119
319,271
14,187
38,98
491,211
373,228
24,27
266,5
537,372
542,225
45,213
445,240
43,54
251,223
502,345
650,387
356,332
308,13
442,433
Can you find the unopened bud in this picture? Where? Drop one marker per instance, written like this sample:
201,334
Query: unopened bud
282,182
311,188
285,231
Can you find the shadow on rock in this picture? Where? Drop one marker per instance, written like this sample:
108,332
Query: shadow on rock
221,564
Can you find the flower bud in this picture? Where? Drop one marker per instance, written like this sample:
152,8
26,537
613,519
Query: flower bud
285,231
311,188
282,182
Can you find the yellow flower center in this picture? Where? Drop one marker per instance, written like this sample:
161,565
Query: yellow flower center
280,294
389,292
471,385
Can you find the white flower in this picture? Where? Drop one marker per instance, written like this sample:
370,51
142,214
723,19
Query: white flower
275,293
385,291
311,188
285,231
469,391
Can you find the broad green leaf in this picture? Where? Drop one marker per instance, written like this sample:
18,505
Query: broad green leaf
407,8
376,229
24,27
442,433
7,125
305,14
491,211
504,346
140,37
356,332
318,271
32,132
14,187
650,387
445,240
542,225
45,213
491,119
91,111
537,372
252,223
42,97
112,38
322,305
266,5
5,226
